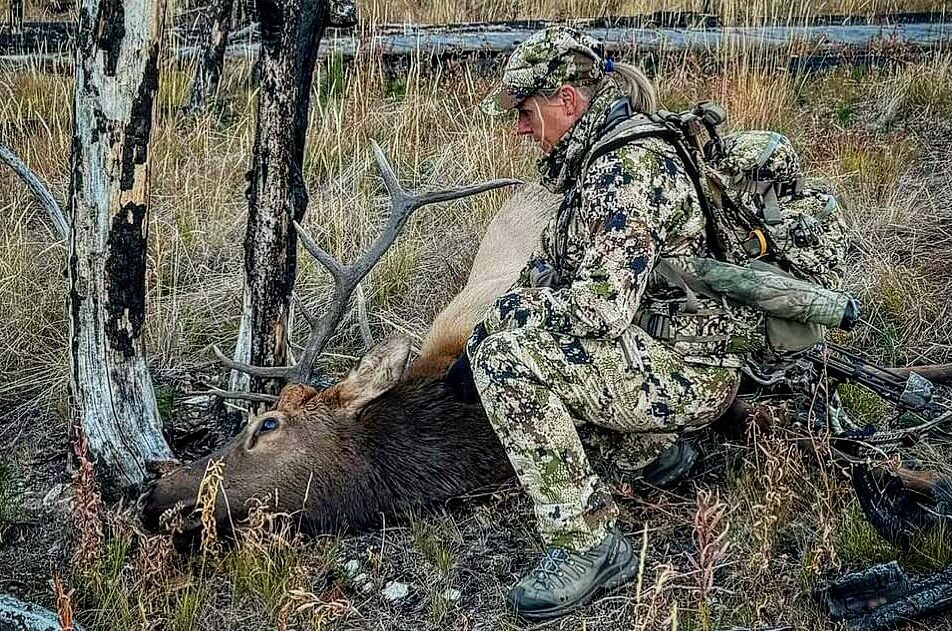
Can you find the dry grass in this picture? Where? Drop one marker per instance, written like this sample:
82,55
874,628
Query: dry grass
441,12
868,131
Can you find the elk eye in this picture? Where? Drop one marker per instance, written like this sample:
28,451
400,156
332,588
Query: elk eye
269,424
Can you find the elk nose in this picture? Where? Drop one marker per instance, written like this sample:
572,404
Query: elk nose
157,514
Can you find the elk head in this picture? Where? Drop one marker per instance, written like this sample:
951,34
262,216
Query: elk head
307,440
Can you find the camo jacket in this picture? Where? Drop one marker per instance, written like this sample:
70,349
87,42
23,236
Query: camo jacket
593,274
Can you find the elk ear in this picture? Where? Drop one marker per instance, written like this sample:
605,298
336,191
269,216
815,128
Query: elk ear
293,396
378,371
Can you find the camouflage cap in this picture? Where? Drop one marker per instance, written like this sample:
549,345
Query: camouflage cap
546,60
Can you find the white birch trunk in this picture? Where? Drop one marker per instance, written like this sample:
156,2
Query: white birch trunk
116,82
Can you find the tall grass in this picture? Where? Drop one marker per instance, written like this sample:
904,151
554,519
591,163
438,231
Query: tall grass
441,11
875,134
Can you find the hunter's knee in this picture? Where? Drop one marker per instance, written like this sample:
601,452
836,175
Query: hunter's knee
498,355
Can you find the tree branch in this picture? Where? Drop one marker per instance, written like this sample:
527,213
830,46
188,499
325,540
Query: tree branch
39,189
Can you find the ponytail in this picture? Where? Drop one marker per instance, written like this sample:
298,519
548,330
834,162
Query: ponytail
635,85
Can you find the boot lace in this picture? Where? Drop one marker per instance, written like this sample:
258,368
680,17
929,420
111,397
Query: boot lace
550,568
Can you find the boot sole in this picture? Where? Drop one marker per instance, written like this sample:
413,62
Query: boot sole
624,572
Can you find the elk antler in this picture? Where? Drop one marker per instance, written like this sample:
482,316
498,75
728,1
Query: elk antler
347,277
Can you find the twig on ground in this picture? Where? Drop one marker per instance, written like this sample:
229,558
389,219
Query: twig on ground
365,333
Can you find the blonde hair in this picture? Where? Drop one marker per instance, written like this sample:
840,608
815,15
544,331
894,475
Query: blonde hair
628,79
631,82
635,85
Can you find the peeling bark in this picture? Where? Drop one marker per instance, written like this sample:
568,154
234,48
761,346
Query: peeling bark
291,32
215,28
110,386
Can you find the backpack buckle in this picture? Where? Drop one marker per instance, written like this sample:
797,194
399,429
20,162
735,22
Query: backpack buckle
710,113
756,244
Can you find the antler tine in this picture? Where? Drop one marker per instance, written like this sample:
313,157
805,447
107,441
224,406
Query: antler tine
257,397
265,372
362,320
347,277
386,171
323,327
422,199
335,269
310,317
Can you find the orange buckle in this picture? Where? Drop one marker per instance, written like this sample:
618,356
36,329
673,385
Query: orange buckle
761,240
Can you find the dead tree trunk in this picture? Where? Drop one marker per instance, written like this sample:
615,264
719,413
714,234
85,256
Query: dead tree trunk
290,37
116,81
15,17
216,24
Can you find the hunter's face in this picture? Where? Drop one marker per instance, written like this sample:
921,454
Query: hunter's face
547,119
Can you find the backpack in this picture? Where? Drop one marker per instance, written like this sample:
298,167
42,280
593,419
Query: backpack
779,245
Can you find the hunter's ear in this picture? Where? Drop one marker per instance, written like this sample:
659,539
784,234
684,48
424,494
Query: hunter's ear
378,371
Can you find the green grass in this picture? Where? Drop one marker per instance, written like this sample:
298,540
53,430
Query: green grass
261,575
858,544
106,587
431,541
188,606
11,508
863,405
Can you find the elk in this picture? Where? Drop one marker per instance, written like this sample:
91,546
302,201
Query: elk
390,436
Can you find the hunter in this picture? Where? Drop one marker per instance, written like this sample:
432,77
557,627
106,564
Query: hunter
569,343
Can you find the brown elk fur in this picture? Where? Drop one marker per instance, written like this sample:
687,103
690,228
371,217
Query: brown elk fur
347,455
384,439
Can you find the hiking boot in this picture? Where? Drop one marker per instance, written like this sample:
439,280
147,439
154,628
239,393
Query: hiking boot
671,466
565,580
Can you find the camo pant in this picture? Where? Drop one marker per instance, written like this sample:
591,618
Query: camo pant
537,386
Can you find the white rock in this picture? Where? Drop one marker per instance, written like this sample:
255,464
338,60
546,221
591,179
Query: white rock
352,567
451,595
395,590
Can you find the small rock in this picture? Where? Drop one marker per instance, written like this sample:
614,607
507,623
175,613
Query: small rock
16,615
352,567
395,590
451,595
368,587
55,495
361,578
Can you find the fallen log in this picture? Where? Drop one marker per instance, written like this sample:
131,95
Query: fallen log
885,596
621,36
460,41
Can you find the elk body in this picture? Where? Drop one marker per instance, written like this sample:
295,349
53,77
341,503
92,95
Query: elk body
386,438
375,443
